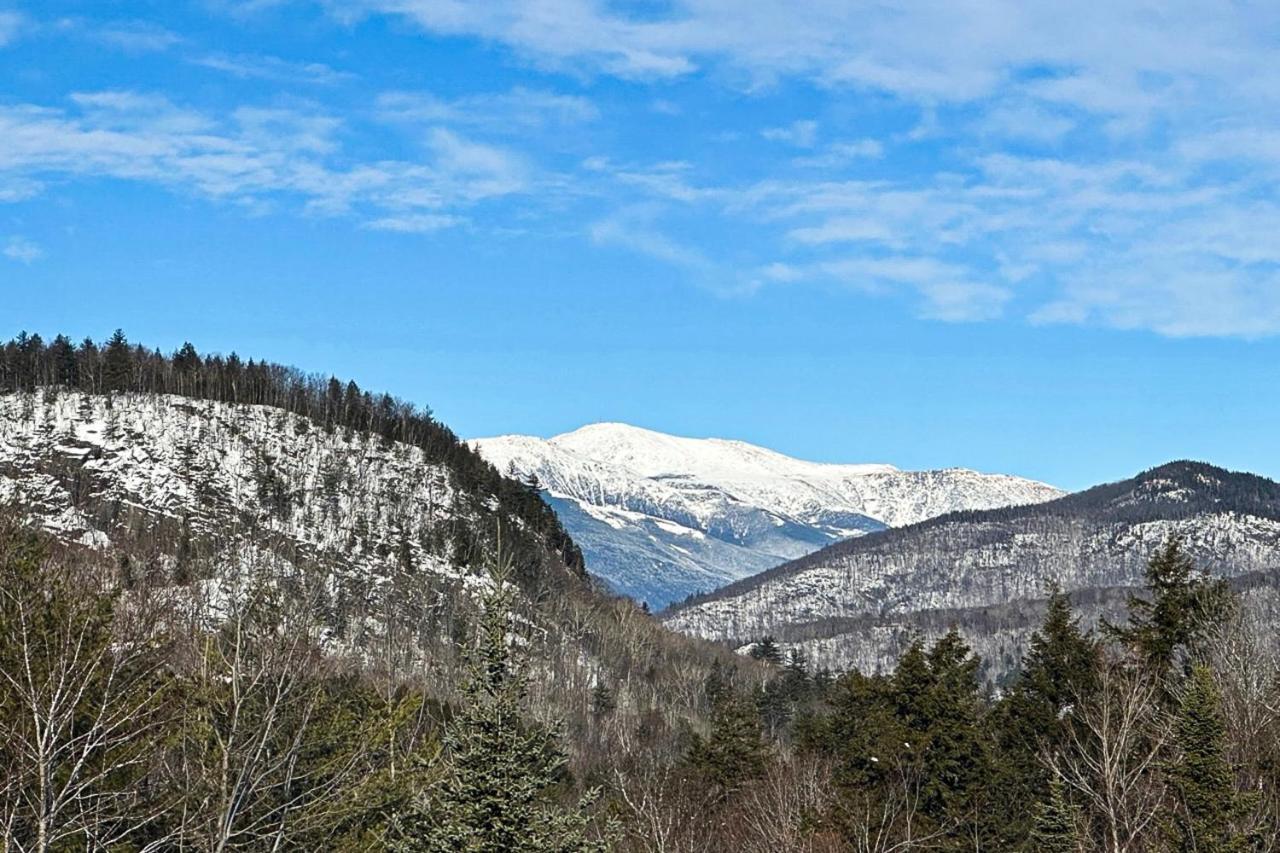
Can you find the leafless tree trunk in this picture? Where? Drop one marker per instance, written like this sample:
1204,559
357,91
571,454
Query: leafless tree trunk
84,698
1113,756
255,685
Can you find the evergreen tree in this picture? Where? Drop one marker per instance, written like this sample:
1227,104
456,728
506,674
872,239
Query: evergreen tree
603,702
1183,604
1201,776
1058,671
1055,823
117,366
795,675
767,649
65,368
716,688
494,786
735,751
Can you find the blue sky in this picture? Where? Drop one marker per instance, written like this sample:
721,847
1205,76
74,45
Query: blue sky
1037,240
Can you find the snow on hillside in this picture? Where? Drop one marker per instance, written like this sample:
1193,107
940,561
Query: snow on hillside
91,468
660,517
858,603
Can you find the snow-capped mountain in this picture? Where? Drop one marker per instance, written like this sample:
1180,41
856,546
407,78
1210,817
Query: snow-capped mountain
858,602
660,517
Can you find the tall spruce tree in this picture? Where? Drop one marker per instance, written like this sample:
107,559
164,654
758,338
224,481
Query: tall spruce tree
1058,671
734,752
117,363
494,787
1208,804
1055,823
1183,604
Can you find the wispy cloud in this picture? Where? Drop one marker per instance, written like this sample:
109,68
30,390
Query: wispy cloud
801,134
273,68
135,36
836,155
634,230
22,250
414,223
1047,162
251,156
519,107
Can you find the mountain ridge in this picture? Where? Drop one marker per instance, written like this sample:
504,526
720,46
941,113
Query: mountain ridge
1083,499
691,513
851,602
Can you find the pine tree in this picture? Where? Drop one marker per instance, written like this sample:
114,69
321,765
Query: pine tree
767,650
735,751
66,370
493,788
1058,671
1201,775
1055,823
1182,605
117,366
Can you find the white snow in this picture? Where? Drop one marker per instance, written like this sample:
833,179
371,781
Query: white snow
761,507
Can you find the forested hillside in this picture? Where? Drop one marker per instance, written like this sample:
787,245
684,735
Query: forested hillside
861,602
249,625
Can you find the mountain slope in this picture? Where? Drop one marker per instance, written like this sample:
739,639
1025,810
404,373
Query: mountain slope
660,517
964,565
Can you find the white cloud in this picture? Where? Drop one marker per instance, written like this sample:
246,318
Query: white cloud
839,154
1118,56
632,230
521,106
414,223
251,156
135,36
801,134
22,250
1171,299
272,68
947,291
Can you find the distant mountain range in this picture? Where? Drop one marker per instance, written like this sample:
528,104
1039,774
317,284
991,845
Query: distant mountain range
859,601
660,517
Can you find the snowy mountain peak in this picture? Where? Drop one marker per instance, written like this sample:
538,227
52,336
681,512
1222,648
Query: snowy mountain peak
662,516
654,454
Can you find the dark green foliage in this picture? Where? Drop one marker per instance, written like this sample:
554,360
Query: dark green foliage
493,789
1208,804
1183,605
734,752
1055,823
1058,671
603,702
766,649
117,366
915,740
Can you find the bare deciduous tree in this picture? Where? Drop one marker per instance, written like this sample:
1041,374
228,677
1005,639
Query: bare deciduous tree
1113,756
83,693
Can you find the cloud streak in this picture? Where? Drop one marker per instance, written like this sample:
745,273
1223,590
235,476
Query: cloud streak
255,157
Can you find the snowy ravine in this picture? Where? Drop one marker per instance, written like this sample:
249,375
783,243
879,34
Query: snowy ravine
859,602
660,517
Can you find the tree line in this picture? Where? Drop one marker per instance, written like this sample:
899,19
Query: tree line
118,366
128,722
